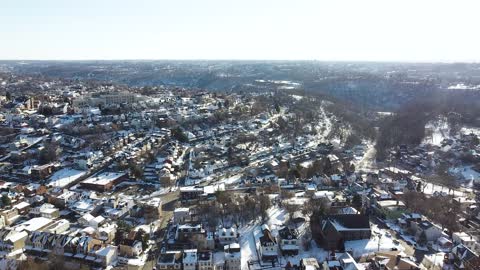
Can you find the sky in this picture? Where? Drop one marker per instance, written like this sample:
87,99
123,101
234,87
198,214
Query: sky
334,30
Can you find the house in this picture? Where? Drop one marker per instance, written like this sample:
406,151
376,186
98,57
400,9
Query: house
193,235
205,260
288,241
181,215
391,260
190,259
341,261
332,231
10,215
107,255
190,193
152,209
22,207
42,172
225,236
104,181
391,209
170,260
49,211
268,245
465,239
59,226
432,232
309,264
34,224
464,258
130,247
12,240
232,257
444,243
406,219
107,232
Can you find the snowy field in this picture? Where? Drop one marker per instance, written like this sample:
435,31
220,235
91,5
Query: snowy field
378,241
431,189
65,176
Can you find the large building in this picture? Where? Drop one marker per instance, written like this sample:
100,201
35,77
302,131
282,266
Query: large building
333,231
103,181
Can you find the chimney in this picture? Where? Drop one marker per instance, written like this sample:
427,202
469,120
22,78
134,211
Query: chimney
398,259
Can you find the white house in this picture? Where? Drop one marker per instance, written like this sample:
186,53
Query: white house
226,236
233,256
107,255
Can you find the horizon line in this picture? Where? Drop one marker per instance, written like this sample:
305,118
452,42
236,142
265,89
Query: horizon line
248,60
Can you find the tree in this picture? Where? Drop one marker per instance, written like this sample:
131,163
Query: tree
6,200
263,205
291,209
143,236
277,107
422,239
48,153
136,170
419,186
357,201
315,207
178,134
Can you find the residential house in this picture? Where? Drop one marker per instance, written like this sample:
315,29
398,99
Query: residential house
107,255
226,236
465,239
171,260
288,241
432,232
130,247
190,259
181,215
232,257
268,245
205,260
309,264
464,258
12,241
392,260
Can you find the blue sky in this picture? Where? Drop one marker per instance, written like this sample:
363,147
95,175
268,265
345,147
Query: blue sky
375,30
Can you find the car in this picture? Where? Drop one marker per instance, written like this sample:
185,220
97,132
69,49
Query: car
396,242
388,234
394,249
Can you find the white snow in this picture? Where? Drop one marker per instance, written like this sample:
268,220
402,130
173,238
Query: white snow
65,176
378,241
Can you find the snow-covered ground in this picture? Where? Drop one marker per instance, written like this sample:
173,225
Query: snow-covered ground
431,189
247,245
379,241
367,162
440,130
232,179
65,176
469,130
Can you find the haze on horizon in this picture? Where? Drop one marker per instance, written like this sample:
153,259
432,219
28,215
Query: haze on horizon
340,30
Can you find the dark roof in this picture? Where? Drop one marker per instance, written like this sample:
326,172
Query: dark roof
204,255
267,238
169,258
287,233
351,221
